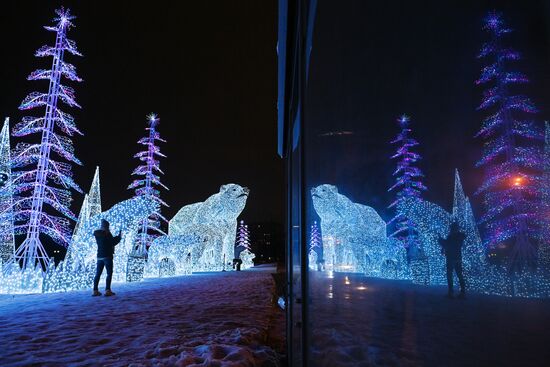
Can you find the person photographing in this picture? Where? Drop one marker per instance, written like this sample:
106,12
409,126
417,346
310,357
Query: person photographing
105,250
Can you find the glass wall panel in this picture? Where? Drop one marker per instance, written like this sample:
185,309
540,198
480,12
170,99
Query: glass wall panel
425,161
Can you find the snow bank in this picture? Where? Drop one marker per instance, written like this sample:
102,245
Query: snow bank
213,319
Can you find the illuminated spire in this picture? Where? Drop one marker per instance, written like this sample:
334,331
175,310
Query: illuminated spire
94,196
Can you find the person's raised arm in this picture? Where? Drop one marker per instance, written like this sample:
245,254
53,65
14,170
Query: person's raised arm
116,239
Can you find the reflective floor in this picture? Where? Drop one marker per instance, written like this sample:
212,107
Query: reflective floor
359,321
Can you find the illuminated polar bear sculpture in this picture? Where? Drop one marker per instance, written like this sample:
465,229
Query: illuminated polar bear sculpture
214,222
354,236
126,217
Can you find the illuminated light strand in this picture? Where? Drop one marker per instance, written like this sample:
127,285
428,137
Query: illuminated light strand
212,223
77,271
243,236
34,187
511,206
150,228
408,185
315,246
7,242
354,237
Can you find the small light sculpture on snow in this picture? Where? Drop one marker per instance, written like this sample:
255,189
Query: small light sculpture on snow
49,181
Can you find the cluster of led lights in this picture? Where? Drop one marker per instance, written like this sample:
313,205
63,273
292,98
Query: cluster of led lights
39,180
511,169
354,237
214,223
147,184
7,243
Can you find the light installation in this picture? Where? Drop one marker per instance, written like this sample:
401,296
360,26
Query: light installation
354,236
543,257
408,185
510,158
126,217
243,237
7,244
40,178
214,223
315,245
91,205
147,184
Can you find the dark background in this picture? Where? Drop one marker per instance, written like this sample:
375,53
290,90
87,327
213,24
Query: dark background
373,61
208,69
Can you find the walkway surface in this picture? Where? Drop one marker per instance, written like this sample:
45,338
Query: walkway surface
359,321
210,319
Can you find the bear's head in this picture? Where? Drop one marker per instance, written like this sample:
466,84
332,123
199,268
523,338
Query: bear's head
328,203
230,201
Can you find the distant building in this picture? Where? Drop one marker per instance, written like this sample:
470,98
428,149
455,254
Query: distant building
266,241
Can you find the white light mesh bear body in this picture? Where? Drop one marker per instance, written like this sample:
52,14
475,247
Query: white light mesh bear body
214,223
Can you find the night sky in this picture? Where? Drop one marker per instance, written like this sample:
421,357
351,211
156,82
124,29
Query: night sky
373,61
208,69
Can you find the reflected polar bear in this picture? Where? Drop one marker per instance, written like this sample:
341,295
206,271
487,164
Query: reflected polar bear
354,236
214,222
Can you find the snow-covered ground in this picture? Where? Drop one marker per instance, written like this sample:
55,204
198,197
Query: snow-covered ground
358,321
209,319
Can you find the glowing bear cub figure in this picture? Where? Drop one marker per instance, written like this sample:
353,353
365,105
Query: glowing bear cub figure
214,223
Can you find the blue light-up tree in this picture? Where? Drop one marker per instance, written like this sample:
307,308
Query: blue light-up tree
408,184
42,178
511,157
148,183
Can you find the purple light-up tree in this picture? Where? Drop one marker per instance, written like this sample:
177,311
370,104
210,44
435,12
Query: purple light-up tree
146,185
41,179
243,237
408,185
511,160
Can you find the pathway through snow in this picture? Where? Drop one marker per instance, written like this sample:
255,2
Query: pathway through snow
213,319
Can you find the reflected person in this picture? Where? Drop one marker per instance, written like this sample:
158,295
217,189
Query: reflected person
452,249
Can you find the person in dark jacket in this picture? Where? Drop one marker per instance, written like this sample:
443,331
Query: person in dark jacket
452,249
105,250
